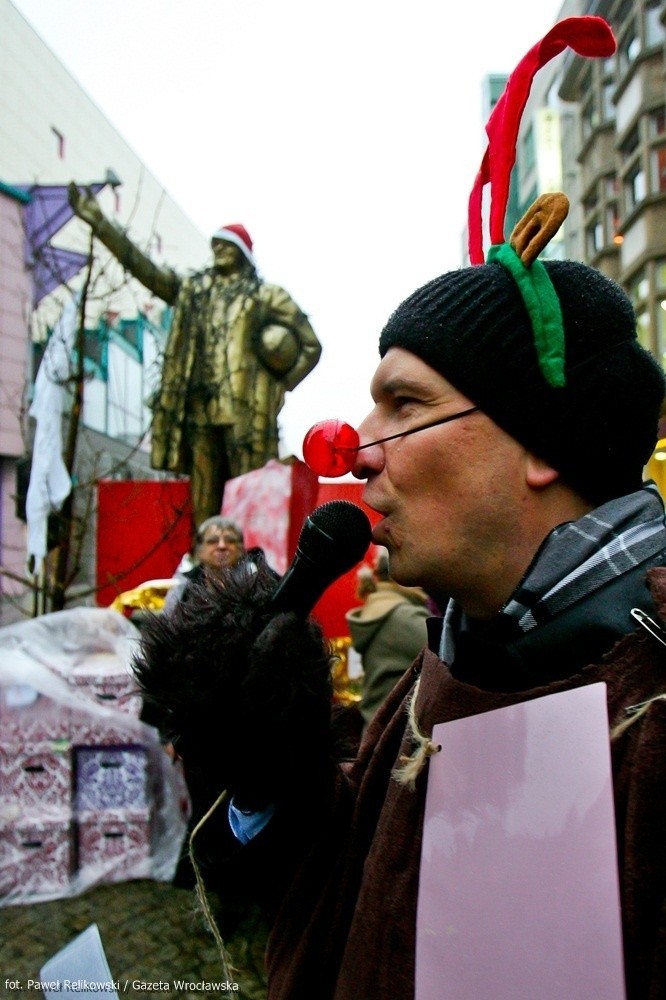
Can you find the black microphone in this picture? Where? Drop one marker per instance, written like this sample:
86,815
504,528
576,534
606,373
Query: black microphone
334,537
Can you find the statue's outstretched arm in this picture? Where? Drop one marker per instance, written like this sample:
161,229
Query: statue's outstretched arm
162,282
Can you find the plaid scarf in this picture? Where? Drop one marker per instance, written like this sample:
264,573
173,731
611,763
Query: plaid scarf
575,560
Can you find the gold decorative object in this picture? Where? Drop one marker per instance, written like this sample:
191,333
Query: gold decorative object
149,596
345,690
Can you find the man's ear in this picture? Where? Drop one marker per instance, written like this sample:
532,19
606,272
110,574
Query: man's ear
538,473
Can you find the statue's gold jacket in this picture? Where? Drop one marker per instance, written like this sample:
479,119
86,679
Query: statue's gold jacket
235,347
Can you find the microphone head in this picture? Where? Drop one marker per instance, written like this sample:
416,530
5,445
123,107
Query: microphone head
334,537
338,531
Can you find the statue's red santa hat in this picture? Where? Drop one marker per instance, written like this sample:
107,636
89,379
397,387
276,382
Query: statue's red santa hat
238,235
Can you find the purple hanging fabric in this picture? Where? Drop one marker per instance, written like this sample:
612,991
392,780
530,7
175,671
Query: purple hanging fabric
46,213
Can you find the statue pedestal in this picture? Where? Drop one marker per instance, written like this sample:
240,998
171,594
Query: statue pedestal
270,505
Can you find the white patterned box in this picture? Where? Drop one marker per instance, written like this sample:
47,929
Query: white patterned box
103,680
97,729
114,845
39,776
28,717
111,778
37,853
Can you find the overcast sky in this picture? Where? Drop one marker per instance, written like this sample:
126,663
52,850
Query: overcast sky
345,136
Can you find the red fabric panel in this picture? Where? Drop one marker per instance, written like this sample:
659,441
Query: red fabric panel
341,596
304,498
143,530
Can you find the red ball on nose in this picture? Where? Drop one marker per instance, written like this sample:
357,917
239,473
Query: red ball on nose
329,448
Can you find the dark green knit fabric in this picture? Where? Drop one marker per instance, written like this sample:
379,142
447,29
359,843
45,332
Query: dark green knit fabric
541,301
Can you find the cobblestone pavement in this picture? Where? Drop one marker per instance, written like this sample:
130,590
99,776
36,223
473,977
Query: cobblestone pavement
152,932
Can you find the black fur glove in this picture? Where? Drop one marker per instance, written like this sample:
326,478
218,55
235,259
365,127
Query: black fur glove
245,693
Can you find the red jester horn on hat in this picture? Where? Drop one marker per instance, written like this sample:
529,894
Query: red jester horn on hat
587,36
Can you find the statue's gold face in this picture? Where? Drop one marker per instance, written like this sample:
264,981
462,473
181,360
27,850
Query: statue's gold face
227,256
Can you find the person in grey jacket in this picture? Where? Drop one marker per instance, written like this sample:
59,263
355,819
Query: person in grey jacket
388,630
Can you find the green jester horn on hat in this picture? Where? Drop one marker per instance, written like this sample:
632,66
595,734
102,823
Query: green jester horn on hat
587,36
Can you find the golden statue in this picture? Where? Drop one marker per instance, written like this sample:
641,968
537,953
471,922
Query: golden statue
235,346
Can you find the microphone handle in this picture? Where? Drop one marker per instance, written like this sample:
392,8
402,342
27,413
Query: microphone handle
302,585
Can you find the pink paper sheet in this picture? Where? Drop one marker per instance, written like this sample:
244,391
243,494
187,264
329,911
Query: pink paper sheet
518,895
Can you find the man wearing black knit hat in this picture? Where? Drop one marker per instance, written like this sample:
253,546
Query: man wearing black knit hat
526,459
509,500
513,414
519,498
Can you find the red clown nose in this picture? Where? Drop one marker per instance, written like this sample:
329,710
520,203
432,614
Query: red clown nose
329,448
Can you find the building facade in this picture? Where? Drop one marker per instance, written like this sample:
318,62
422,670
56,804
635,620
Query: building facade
51,134
620,152
596,129
14,367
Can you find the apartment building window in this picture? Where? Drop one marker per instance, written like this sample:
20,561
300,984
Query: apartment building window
660,266
591,202
658,170
612,225
594,237
629,47
635,180
607,106
635,187
656,130
654,29
607,89
657,123
630,144
609,67
660,282
589,117
612,186
639,288
623,12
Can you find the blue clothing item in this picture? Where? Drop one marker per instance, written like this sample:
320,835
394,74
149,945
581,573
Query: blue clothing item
246,825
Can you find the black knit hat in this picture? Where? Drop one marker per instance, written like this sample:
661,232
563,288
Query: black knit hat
600,428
